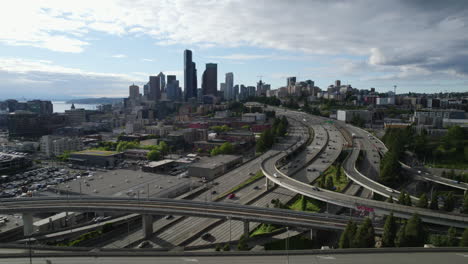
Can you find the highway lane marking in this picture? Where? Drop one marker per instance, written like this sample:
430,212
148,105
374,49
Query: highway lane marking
190,259
463,255
328,257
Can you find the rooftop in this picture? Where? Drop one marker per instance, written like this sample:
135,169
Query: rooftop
215,161
93,152
155,164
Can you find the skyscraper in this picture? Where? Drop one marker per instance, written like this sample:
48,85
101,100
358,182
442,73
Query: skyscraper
154,88
162,82
190,76
134,91
210,79
229,92
172,88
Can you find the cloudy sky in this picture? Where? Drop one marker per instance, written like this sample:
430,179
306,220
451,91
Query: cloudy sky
65,49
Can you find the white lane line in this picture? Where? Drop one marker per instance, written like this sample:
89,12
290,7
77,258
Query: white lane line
326,257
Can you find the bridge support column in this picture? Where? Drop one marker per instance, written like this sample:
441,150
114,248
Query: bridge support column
313,234
147,221
246,229
27,224
267,183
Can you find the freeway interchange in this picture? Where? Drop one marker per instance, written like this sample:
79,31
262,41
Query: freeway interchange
269,167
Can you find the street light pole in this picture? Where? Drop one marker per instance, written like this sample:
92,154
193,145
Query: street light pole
287,245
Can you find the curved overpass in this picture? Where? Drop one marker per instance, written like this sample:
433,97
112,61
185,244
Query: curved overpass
381,208
176,207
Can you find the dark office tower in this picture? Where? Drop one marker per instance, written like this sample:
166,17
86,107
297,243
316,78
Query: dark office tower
210,79
337,83
146,90
171,78
154,88
190,76
194,81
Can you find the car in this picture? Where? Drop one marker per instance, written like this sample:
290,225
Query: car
315,189
251,173
214,192
389,190
169,217
275,175
256,188
143,244
206,236
231,196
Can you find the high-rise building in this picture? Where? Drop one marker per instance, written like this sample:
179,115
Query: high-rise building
154,88
162,82
190,76
146,90
235,92
337,83
172,88
134,91
210,79
229,92
291,81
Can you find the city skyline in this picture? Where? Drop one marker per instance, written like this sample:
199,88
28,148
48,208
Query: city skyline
90,49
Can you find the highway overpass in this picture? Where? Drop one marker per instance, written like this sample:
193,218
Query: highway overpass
148,207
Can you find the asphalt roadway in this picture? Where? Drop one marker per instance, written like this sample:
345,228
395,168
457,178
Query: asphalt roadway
361,258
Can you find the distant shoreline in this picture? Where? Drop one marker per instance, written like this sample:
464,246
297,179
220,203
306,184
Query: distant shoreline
103,100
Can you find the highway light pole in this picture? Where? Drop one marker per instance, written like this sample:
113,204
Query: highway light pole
287,245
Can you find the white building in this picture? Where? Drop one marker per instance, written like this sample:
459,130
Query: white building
347,115
55,146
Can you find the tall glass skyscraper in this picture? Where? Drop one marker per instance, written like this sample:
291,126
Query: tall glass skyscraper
190,76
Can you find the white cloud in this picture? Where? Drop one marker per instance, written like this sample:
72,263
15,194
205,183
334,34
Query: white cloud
42,78
422,35
119,56
241,57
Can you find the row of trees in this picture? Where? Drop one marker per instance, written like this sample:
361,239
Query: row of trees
225,148
267,138
219,129
390,168
412,233
358,237
463,177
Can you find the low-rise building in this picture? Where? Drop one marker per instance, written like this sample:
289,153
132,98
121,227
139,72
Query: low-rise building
136,154
98,158
348,115
54,145
213,167
11,162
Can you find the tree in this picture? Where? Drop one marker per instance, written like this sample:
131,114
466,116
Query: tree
153,155
218,247
434,202
449,203
464,239
365,235
390,169
408,200
242,245
163,147
422,203
303,203
414,232
389,233
452,239
226,247
347,237
329,183
402,198
400,240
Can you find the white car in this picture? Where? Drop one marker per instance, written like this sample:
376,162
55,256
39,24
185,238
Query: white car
275,175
